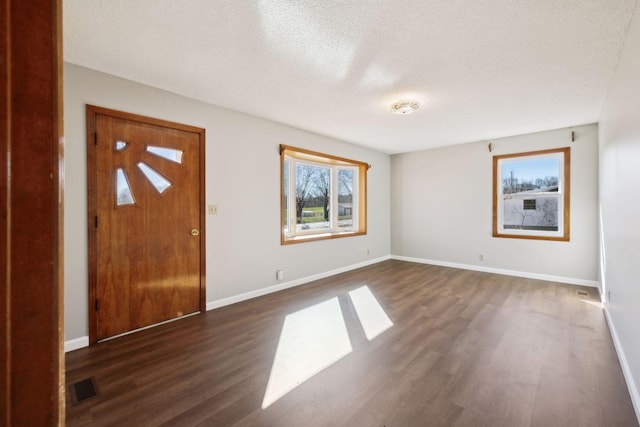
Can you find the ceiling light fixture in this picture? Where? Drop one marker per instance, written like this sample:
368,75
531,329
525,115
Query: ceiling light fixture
404,107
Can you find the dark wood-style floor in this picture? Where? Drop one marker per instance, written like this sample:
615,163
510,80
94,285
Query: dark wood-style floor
465,349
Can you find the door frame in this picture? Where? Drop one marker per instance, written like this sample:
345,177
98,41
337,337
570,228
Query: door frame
92,112
32,384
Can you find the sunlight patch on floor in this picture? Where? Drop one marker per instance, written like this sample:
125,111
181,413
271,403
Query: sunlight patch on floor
316,337
372,317
311,340
594,303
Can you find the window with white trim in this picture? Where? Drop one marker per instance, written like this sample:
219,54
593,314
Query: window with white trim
323,196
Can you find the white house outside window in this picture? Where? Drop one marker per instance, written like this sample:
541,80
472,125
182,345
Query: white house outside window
531,195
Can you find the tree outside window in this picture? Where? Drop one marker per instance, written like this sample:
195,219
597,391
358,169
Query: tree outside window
323,196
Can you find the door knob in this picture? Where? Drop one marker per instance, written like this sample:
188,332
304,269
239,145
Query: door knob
195,232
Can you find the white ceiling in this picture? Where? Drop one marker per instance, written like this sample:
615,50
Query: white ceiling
481,69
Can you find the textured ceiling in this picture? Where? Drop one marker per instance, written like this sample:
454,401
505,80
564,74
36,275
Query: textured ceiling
480,69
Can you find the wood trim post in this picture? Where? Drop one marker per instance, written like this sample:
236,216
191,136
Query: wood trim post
31,236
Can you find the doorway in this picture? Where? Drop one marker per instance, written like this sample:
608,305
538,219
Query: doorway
146,221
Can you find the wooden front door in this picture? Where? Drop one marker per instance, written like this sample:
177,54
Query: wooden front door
146,221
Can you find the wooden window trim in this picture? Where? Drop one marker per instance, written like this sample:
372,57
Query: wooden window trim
328,159
566,197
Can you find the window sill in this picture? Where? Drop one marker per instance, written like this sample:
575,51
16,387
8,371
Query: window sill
319,236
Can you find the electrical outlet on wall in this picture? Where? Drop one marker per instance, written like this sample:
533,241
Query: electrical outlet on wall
481,257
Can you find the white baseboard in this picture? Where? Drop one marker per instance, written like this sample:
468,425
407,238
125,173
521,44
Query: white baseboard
282,286
84,341
626,370
76,343
81,342
547,277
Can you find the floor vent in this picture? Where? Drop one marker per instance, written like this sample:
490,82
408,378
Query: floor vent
83,390
583,293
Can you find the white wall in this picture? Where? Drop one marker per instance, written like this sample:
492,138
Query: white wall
620,207
242,178
441,208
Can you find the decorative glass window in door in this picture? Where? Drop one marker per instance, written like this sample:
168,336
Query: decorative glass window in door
124,192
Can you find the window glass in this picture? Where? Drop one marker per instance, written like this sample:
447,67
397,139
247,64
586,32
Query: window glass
323,195
313,197
159,182
531,195
124,195
166,153
345,198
